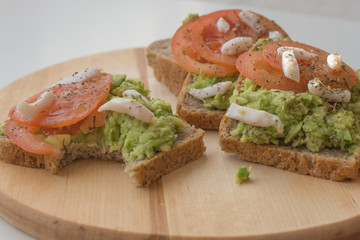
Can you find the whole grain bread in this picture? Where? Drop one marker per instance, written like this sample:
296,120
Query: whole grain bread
193,111
166,70
330,164
189,146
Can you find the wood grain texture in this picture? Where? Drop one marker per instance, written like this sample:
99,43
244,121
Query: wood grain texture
91,199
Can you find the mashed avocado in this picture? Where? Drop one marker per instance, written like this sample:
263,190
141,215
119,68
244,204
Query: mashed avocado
2,131
137,139
261,42
190,17
243,174
308,120
219,101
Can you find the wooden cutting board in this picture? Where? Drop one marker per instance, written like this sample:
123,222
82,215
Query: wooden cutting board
96,200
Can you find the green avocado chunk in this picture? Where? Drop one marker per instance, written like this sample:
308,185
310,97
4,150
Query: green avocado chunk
243,174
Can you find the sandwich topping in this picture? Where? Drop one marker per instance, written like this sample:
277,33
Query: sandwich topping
317,88
290,66
29,110
214,92
139,139
253,21
105,110
299,53
276,35
318,111
334,62
71,109
254,117
130,107
209,45
236,45
222,25
210,91
86,74
310,66
73,103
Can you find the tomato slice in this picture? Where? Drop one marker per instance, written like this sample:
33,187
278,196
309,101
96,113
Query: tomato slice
207,40
73,103
30,138
314,68
186,56
253,66
95,119
26,138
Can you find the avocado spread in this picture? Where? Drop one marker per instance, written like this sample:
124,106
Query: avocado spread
308,120
190,17
137,139
261,42
134,138
2,131
219,101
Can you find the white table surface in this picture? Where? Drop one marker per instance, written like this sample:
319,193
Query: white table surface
37,34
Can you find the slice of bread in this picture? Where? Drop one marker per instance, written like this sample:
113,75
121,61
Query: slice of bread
193,111
166,70
330,164
188,147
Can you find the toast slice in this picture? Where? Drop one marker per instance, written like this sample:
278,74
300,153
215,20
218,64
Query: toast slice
166,70
328,164
188,146
139,132
332,164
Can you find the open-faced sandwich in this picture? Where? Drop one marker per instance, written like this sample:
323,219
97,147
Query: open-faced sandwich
207,47
297,108
97,115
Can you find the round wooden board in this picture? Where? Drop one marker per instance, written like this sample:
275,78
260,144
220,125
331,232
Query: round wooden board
92,199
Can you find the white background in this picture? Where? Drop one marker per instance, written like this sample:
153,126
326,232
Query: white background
36,34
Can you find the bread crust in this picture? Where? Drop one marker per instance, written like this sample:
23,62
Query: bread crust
193,111
166,70
188,147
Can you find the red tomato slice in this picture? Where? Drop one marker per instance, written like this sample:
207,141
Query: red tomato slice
95,119
25,137
314,68
253,66
189,59
73,103
30,138
207,40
